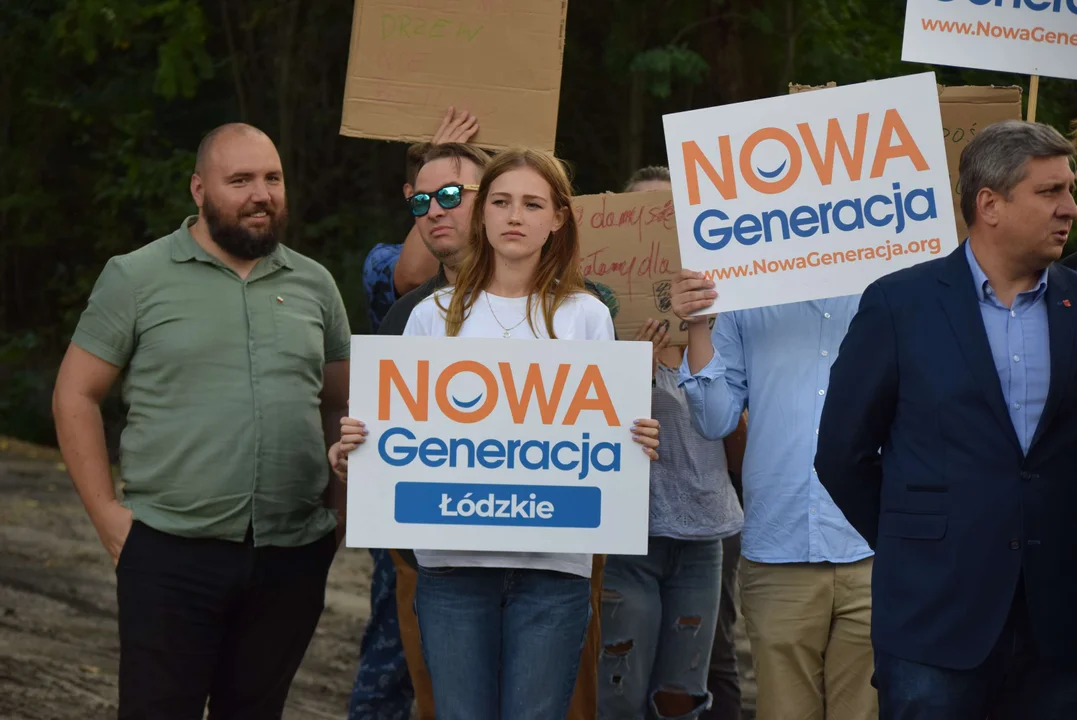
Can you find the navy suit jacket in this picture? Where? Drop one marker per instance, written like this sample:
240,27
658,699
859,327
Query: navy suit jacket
952,506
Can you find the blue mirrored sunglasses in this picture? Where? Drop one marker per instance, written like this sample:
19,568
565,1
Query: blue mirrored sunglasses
447,197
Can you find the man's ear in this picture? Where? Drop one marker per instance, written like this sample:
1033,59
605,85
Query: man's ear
988,206
408,190
198,190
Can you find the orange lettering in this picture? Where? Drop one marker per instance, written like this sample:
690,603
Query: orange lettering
796,161
592,378
835,139
906,147
441,392
519,402
418,404
693,156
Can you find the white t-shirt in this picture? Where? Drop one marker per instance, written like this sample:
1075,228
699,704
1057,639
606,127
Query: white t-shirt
581,317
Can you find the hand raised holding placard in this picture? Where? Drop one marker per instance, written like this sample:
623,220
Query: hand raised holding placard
456,127
691,293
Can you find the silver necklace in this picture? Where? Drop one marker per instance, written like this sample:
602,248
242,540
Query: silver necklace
507,330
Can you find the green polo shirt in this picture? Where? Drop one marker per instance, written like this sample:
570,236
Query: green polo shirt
221,378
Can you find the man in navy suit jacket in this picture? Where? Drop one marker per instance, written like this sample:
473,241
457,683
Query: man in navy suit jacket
949,441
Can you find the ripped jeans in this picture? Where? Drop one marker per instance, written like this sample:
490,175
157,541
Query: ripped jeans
659,612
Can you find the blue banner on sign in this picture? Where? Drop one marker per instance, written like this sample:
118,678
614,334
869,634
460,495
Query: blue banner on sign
505,505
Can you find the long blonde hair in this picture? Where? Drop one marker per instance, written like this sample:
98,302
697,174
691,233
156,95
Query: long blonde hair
558,274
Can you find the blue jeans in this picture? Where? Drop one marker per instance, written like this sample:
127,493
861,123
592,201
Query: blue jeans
383,688
501,642
1014,683
659,612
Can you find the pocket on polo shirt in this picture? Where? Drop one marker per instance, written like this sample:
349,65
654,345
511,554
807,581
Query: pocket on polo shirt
300,327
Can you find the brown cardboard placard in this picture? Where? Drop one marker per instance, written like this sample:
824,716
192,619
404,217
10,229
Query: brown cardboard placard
500,60
965,111
628,242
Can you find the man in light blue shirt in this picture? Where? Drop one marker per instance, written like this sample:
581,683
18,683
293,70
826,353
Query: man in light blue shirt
948,441
1020,348
806,573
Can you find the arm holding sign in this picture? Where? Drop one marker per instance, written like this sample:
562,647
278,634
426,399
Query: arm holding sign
713,374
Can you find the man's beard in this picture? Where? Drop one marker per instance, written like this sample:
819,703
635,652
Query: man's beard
237,240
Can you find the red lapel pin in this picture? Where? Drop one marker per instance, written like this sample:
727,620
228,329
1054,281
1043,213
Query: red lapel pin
1066,303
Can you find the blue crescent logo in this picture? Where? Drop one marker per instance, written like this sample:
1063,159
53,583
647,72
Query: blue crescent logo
468,404
773,173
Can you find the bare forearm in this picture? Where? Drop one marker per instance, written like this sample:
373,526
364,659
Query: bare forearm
415,266
700,348
81,434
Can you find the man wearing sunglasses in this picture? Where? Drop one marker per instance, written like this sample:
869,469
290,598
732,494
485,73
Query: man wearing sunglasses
446,176
391,270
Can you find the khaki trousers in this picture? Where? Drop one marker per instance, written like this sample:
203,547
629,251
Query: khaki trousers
810,629
585,697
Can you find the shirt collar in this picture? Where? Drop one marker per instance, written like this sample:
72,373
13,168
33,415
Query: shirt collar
185,248
983,285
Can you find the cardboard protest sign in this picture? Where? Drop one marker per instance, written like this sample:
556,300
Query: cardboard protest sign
1031,37
628,243
965,111
483,444
811,195
498,59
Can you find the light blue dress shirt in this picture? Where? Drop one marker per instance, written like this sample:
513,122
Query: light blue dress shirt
1021,348
776,361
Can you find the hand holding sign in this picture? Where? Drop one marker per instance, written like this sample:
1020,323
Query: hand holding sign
353,433
456,127
692,293
645,433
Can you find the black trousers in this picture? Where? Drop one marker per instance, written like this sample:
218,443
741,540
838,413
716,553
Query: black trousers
216,620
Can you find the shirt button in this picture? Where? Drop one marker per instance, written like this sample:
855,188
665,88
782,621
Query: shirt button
1015,544
1013,313
813,511
816,431
825,353
1017,358
1017,406
826,315
822,392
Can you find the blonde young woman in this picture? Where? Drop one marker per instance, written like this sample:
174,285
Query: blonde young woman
502,632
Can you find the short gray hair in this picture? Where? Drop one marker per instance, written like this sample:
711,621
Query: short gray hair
997,158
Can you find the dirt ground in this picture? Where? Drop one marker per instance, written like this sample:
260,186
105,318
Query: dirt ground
59,650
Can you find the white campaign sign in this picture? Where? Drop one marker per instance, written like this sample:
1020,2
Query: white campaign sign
1031,37
483,444
812,195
